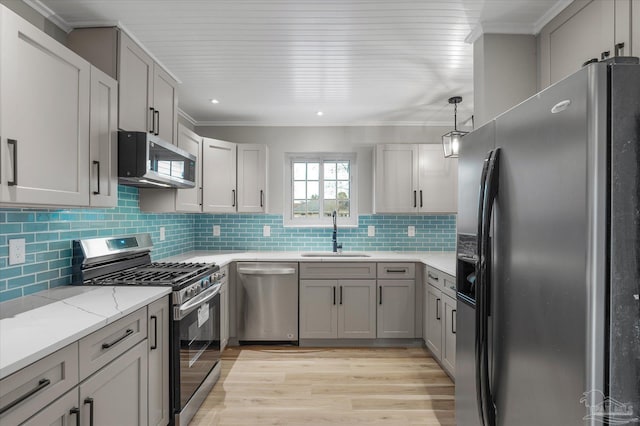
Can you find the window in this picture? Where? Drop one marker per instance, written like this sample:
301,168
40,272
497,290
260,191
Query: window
318,185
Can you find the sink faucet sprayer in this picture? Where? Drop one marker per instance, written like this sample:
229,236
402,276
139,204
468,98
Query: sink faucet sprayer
334,238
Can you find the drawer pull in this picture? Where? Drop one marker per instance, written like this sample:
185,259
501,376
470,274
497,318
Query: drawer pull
43,383
396,271
433,277
128,333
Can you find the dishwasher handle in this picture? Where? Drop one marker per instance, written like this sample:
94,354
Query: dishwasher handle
267,271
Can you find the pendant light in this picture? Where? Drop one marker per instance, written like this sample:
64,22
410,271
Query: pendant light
451,140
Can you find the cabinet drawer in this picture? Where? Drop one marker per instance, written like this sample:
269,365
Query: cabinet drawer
448,285
396,270
26,391
338,270
106,344
434,277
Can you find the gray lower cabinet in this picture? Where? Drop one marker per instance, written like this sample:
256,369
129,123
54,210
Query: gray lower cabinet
117,394
337,309
449,334
63,412
433,330
396,309
158,346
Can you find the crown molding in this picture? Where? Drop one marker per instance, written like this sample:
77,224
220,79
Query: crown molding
69,26
324,124
551,13
49,14
187,117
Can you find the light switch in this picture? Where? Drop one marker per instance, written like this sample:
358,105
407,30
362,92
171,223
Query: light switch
411,231
16,251
371,231
216,230
162,234
266,231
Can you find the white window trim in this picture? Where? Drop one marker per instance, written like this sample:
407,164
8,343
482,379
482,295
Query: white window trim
322,221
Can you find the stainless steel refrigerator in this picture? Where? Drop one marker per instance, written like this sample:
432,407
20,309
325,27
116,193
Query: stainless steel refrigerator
548,274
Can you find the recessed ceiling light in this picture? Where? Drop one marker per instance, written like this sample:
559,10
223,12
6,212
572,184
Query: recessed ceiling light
215,101
319,113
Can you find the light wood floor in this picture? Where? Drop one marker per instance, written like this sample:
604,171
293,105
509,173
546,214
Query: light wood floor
308,386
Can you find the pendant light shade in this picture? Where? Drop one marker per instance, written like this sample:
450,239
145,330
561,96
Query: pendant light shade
451,140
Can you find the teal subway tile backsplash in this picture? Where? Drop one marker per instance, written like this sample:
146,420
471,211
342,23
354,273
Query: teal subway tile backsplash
244,232
49,233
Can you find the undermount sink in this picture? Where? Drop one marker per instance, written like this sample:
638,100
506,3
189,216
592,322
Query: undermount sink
332,254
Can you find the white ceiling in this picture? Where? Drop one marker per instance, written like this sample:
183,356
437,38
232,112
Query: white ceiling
279,62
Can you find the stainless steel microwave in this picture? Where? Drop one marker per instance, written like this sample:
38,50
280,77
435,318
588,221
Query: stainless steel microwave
146,161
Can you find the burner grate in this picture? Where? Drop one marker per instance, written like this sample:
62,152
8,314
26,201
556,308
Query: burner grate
157,273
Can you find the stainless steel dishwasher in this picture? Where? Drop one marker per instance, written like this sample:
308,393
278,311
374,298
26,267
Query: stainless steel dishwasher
267,301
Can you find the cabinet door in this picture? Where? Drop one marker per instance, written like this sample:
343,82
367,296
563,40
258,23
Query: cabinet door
396,178
318,309
135,78
159,346
252,178
218,176
396,309
357,309
103,140
44,118
438,180
583,35
188,200
63,412
165,103
449,334
117,394
434,321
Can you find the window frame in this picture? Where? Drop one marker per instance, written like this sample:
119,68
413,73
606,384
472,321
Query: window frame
323,221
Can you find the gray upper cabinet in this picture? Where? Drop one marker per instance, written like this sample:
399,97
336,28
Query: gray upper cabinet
585,30
219,194
148,97
252,178
414,178
44,118
103,140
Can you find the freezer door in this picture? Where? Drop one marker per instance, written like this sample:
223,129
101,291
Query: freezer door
539,291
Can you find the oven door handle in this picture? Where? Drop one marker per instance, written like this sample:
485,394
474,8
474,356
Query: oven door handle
203,297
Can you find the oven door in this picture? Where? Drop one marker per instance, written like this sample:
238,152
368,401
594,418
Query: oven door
196,328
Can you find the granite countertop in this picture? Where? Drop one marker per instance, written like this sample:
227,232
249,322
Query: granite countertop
37,325
443,261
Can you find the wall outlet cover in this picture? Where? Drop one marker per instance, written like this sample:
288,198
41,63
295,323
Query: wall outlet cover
371,231
17,251
266,231
216,230
411,231
162,233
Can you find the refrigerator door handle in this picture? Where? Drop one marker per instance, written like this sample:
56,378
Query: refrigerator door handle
478,256
491,192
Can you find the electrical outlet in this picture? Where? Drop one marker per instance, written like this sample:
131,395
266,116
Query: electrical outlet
17,251
371,231
162,234
216,230
266,231
411,231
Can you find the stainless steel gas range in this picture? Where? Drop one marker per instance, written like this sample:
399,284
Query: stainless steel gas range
195,299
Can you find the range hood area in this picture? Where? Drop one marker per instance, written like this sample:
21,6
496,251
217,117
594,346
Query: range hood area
146,161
